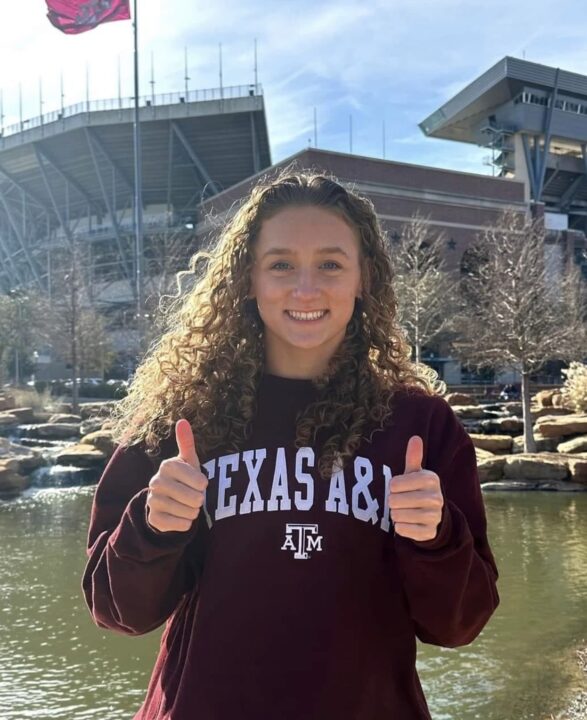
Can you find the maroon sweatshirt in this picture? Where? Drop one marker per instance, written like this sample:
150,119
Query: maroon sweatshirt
299,602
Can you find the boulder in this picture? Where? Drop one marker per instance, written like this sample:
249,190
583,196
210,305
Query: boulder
493,443
91,425
577,468
544,397
472,412
553,426
490,469
42,416
11,482
564,485
559,401
62,407
542,444
538,412
54,431
513,407
457,398
25,415
509,485
8,419
7,402
535,467
102,440
27,458
81,455
96,409
502,426
64,418
574,445
481,454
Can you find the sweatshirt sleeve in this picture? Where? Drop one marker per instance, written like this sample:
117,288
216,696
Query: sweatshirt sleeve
135,576
450,581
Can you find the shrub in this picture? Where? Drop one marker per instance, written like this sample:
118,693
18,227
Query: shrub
574,390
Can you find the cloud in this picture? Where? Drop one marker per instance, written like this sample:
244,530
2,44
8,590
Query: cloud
394,60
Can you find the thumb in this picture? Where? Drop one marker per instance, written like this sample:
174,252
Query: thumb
414,454
186,444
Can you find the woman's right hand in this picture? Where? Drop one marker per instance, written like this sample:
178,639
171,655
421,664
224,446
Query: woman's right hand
176,491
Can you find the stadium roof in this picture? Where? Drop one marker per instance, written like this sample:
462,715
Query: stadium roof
460,117
83,157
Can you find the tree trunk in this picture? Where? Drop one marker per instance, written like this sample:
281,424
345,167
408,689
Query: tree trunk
529,441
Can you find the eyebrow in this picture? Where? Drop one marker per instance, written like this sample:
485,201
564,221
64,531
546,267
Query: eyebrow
335,250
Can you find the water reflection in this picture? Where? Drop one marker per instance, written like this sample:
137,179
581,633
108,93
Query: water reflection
57,664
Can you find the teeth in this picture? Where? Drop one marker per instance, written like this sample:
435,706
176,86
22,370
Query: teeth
307,315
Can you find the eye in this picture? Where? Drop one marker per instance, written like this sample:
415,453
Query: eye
331,265
280,265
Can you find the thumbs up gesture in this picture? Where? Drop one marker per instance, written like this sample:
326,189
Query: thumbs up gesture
415,498
176,491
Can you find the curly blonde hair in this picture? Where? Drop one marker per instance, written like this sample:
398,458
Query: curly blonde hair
208,363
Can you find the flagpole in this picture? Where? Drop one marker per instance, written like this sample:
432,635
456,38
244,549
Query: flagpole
138,201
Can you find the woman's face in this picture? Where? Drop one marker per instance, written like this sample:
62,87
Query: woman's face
305,279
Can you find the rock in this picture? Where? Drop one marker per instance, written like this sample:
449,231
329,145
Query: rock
553,426
90,426
81,455
457,398
574,445
577,468
538,412
64,418
493,443
42,416
563,485
28,459
510,485
535,467
469,411
7,402
481,454
62,407
54,431
490,469
97,409
558,401
471,426
25,415
513,407
11,482
102,440
498,426
8,419
542,444
544,397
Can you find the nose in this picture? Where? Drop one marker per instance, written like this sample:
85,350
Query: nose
306,286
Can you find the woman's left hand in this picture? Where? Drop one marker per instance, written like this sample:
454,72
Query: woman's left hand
415,498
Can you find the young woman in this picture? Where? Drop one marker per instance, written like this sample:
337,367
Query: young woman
289,494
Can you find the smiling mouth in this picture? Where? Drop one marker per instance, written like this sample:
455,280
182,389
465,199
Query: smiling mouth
314,315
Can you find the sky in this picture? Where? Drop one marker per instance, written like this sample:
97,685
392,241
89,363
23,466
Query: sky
385,63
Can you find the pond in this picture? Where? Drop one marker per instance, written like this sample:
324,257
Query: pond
57,664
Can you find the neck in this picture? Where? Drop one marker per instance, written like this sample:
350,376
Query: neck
297,365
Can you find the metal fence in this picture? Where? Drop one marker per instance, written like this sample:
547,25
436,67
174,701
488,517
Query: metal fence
127,103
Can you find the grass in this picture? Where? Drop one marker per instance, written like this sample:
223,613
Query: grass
39,401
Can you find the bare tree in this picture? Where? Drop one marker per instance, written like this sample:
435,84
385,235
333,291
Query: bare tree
22,330
517,311
426,291
78,331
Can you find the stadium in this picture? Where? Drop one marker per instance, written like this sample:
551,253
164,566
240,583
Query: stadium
66,181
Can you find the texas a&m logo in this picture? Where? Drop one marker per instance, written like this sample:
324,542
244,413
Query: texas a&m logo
302,538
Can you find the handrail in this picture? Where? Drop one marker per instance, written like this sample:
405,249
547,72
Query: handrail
125,103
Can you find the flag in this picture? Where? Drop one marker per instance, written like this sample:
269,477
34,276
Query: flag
77,16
